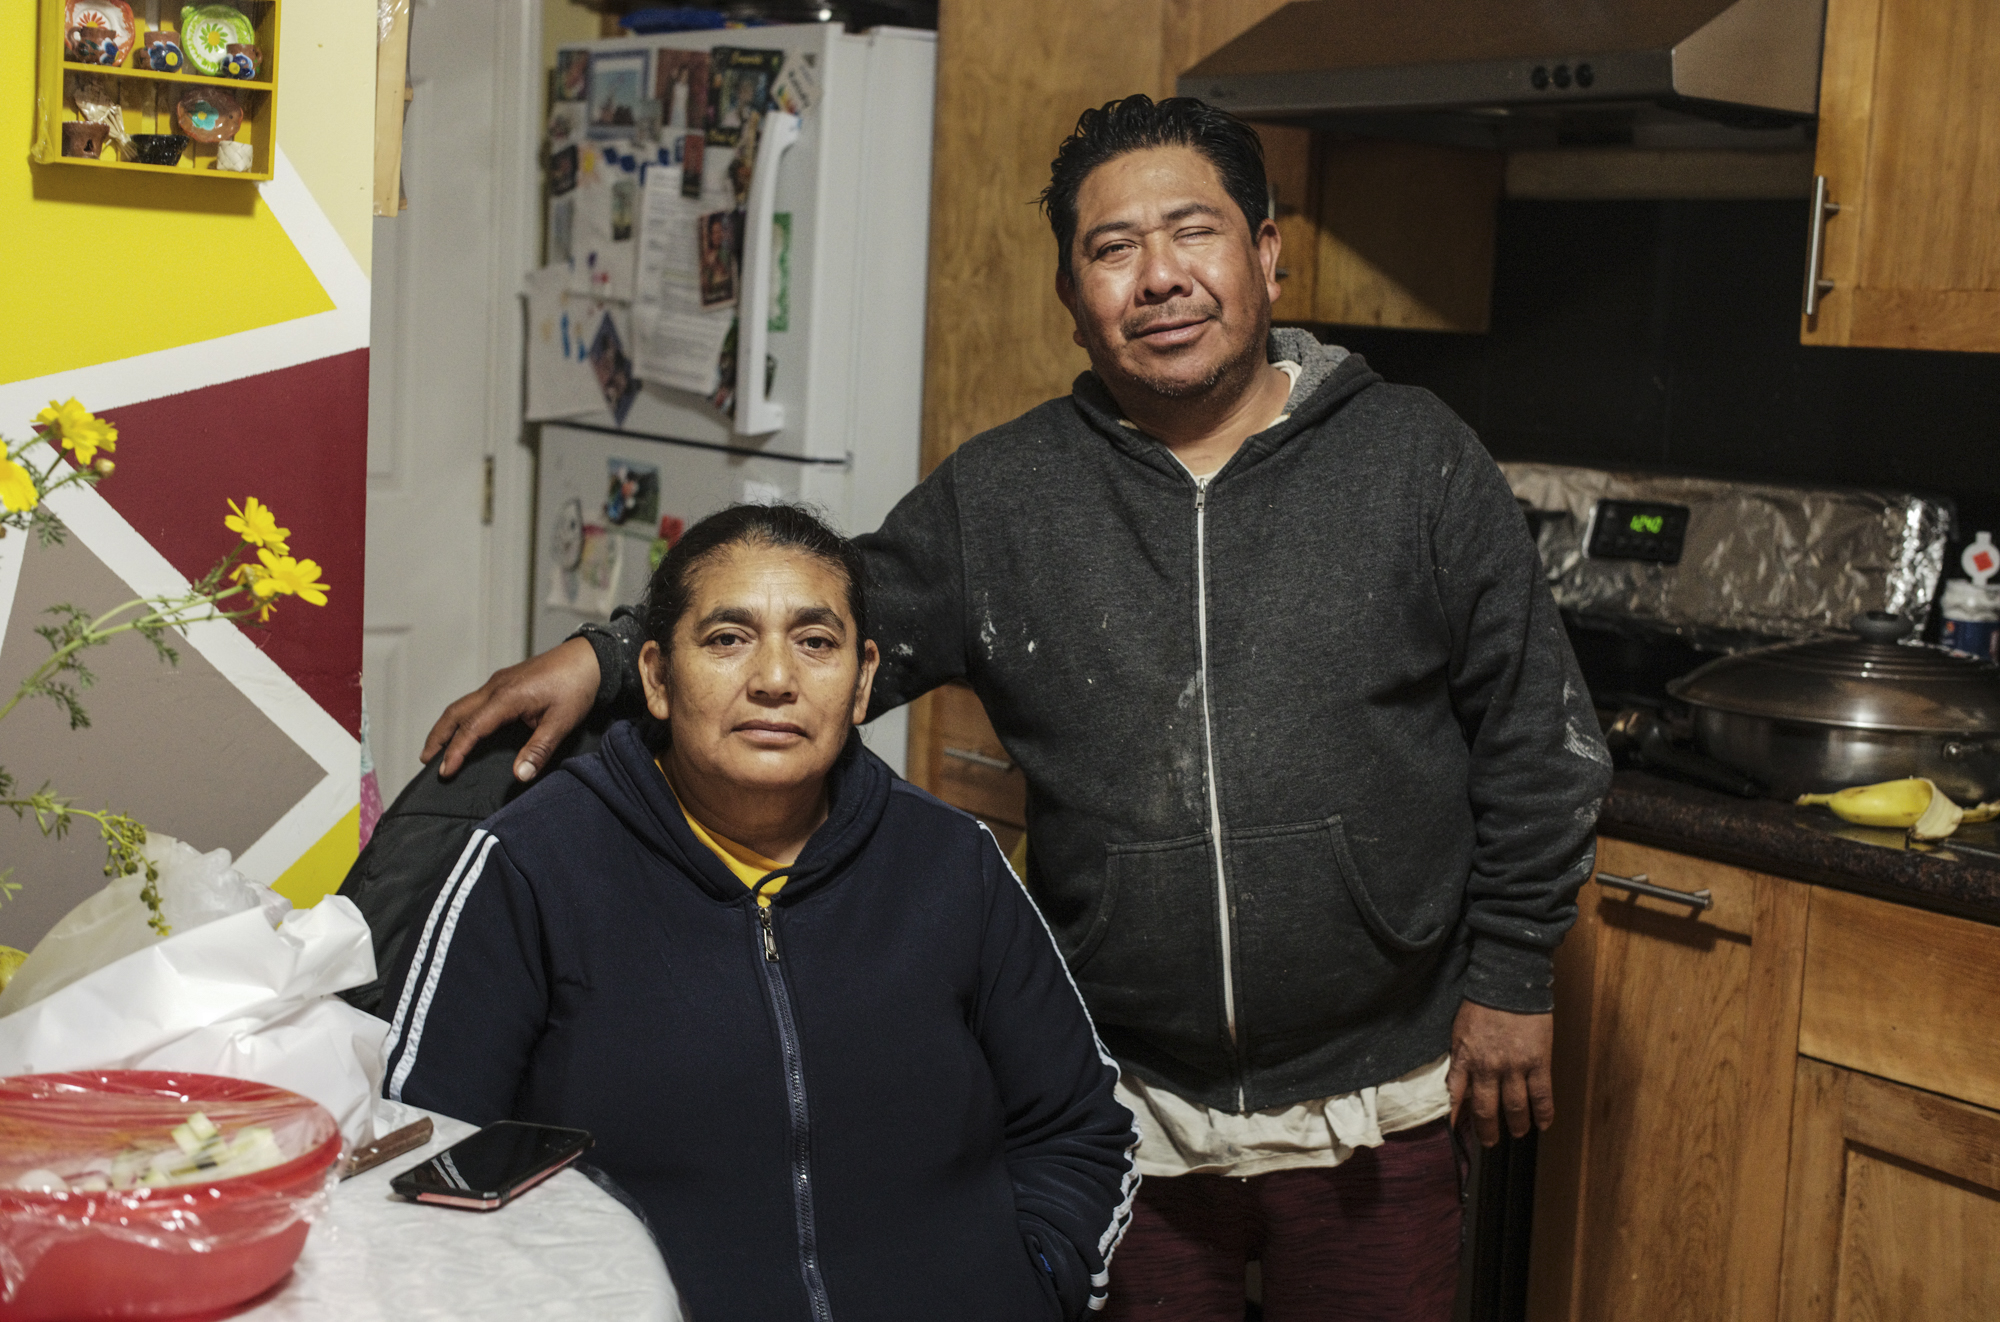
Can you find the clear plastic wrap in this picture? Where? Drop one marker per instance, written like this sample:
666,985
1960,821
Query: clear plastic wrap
198,1240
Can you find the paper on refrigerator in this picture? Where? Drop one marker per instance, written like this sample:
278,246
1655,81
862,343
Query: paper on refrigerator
678,343
560,382
604,219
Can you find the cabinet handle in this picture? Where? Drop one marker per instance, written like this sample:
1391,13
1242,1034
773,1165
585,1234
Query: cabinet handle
978,759
1816,245
1639,885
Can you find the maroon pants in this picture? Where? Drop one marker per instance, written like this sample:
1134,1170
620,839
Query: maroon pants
1374,1239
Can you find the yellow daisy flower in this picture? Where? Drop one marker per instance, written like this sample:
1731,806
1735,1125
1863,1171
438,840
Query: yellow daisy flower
257,525
292,578
74,426
17,488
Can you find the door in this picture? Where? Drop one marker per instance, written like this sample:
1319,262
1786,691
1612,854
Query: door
448,536
1660,1191
1909,146
1894,1204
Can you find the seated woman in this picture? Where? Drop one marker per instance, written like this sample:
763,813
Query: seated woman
815,1024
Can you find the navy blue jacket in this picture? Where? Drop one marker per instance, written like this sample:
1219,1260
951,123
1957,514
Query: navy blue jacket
904,1114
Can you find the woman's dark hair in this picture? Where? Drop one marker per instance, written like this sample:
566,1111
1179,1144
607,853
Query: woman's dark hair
1138,122
790,527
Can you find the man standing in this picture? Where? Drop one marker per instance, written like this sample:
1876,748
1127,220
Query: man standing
1312,775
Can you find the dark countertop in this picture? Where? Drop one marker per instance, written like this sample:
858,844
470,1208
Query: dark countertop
1806,844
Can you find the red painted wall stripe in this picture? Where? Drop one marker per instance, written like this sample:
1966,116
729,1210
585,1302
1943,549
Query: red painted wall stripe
297,439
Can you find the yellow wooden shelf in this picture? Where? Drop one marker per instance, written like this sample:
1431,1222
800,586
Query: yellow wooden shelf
154,75
147,107
99,163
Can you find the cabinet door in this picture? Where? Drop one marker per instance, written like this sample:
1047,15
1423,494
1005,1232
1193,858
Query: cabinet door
1909,143
1894,1204
1660,1190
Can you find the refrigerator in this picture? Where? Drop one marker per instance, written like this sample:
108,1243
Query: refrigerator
834,244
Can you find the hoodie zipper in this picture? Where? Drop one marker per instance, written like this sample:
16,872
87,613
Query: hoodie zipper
799,1146
1223,907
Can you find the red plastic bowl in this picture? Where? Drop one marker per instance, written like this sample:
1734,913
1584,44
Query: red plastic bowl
187,1250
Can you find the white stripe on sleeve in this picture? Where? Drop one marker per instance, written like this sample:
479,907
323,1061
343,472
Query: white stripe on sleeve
423,1006
416,973
1128,1183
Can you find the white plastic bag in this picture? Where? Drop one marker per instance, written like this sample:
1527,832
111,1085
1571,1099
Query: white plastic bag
226,993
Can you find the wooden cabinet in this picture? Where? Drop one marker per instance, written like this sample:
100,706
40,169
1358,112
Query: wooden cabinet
1894,1207
1780,1107
1909,143
1660,1190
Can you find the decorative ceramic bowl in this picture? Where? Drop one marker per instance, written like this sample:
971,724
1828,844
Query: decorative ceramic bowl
207,32
81,139
159,148
208,114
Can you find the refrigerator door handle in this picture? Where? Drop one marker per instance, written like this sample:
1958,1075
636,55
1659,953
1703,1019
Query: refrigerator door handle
756,413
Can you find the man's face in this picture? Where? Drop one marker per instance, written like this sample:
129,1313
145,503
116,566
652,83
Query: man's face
1170,288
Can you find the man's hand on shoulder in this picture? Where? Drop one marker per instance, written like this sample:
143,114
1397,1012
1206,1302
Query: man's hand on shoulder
1500,1064
550,693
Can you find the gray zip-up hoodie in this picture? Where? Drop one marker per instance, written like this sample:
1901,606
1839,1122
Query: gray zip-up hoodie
1308,757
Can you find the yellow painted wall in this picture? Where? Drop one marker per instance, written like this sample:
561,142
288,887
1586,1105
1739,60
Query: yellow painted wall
103,265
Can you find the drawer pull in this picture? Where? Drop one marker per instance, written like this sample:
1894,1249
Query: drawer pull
978,759
1639,885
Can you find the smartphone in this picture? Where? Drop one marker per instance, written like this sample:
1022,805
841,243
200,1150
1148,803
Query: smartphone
493,1167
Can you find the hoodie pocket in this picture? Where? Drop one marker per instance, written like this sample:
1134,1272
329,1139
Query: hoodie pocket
1151,959
1314,950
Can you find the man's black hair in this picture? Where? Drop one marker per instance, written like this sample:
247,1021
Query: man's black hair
792,527
1135,123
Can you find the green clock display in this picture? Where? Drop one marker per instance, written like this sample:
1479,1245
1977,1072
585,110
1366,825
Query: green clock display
1636,530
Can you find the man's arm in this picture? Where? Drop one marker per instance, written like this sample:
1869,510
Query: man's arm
1537,774
916,613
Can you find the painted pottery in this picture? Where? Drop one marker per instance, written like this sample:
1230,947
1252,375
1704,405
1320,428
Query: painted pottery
99,21
159,148
208,31
163,52
208,114
81,139
242,61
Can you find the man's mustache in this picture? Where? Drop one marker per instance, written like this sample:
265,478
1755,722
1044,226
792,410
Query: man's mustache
1180,310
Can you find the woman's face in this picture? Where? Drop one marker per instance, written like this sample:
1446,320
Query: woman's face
764,680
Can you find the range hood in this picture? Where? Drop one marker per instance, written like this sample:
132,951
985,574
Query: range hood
1526,73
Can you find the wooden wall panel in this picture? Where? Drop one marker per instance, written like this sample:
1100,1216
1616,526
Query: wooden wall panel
1012,78
1406,234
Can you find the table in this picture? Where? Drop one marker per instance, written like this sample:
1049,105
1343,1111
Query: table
564,1249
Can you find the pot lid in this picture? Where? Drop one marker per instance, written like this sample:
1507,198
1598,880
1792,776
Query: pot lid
1870,681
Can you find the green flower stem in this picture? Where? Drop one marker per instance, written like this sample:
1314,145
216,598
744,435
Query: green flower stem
123,842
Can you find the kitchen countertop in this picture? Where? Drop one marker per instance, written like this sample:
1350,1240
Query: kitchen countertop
1806,844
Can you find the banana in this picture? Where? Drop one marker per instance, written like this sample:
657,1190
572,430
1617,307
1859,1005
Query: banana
1940,819
1895,803
1916,805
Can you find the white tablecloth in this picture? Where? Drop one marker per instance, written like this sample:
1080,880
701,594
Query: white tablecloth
564,1249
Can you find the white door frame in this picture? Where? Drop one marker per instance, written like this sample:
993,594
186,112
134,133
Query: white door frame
517,118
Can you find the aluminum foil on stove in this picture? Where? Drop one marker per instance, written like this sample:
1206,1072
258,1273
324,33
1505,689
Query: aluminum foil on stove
1759,563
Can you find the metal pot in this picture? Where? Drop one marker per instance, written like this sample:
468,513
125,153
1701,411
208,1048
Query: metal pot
1823,714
